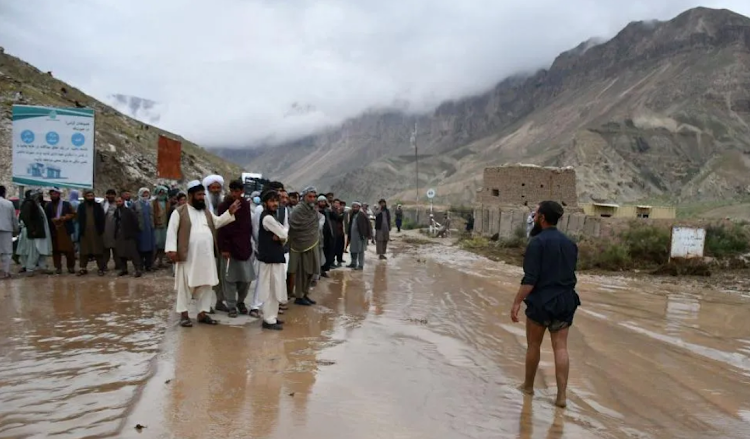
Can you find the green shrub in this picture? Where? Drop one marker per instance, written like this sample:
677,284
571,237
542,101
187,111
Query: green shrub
409,224
603,254
723,241
646,245
474,242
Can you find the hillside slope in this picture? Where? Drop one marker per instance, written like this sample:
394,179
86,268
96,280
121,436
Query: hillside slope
126,148
660,110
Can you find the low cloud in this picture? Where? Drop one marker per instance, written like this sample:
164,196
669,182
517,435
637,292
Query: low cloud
239,72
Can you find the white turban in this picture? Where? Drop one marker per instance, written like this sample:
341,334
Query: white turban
193,184
211,179
356,203
309,189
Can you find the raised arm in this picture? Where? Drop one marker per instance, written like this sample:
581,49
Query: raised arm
172,229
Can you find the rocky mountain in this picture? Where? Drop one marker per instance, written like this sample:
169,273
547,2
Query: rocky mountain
125,148
661,110
141,109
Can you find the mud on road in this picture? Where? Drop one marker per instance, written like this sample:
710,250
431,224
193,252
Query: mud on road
420,346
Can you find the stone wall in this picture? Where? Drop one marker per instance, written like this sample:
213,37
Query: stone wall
489,220
520,185
504,220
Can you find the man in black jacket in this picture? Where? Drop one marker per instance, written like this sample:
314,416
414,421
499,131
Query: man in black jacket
382,229
548,289
328,237
337,222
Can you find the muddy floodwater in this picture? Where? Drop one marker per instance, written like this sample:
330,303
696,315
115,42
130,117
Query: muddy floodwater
420,346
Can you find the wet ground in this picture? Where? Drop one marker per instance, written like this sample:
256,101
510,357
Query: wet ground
418,347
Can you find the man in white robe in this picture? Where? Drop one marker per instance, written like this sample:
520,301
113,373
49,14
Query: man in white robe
257,206
271,284
191,245
214,185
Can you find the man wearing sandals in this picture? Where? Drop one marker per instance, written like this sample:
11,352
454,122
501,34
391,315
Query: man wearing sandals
91,221
192,246
236,251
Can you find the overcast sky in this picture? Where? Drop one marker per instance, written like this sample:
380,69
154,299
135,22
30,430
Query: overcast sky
229,71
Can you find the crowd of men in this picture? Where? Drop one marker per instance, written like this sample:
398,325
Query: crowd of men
229,252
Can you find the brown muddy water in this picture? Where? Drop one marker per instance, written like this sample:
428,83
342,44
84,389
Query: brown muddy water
420,346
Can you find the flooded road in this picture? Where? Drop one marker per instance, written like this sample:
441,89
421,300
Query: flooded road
418,347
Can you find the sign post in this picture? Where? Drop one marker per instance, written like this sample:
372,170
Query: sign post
687,243
430,195
53,146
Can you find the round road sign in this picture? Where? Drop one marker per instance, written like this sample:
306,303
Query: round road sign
431,193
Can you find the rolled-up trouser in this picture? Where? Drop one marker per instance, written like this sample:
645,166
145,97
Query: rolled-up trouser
236,293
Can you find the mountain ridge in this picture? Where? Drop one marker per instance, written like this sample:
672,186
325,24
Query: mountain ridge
126,148
660,91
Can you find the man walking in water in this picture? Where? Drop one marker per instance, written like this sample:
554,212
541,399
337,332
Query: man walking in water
548,289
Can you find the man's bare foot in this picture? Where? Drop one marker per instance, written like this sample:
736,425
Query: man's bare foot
561,401
527,390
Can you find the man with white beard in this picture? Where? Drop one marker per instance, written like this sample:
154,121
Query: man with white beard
191,239
214,184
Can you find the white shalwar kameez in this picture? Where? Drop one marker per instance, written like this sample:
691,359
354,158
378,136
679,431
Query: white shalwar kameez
257,211
271,286
196,276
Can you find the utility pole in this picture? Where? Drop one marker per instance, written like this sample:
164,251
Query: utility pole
416,164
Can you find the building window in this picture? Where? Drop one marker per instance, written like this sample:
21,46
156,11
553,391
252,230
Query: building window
495,192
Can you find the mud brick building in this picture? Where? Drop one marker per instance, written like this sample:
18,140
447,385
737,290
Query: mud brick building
518,185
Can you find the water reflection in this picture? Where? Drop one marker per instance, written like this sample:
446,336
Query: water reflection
74,352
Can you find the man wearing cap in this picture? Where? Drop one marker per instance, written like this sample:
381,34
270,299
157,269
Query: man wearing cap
192,246
214,185
271,262
60,215
91,223
360,232
382,229
304,239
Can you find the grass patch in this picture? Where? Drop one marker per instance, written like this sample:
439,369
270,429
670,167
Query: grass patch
409,224
726,241
417,241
